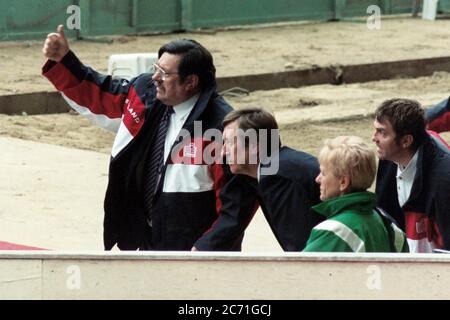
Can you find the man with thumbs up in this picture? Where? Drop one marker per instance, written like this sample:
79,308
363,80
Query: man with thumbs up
56,45
155,202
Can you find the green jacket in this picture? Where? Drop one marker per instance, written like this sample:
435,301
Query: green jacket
353,225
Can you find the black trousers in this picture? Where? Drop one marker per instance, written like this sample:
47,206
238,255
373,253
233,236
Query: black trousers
147,242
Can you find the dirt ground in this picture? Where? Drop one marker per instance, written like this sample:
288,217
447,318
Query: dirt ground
251,50
306,115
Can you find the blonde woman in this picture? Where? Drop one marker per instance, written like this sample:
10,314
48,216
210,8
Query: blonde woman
347,170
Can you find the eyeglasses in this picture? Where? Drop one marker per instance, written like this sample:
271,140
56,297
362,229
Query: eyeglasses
163,73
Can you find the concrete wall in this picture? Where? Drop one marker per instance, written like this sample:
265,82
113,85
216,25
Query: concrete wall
172,275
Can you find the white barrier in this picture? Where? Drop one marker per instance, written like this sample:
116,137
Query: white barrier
131,65
429,9
176,275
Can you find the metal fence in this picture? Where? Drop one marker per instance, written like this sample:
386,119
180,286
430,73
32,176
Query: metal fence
29,19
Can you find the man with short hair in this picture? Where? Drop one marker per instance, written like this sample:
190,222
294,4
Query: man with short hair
282,179
413,180
153,200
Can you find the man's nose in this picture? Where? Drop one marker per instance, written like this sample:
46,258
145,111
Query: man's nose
374,137
157,76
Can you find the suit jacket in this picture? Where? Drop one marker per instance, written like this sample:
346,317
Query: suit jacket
285,198
425,216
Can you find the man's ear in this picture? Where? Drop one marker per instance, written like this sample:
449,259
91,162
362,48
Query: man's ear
344,184
192,82
406,141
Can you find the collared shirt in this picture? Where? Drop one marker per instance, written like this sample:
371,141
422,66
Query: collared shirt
405,179
177,120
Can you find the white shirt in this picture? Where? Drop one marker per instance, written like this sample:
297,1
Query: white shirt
405,179
177,120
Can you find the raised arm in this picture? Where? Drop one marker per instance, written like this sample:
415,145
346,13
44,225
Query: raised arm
98,97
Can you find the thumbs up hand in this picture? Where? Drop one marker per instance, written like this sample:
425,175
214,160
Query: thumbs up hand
56,45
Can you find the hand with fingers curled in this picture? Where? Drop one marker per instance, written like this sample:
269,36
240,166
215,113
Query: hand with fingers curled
56,45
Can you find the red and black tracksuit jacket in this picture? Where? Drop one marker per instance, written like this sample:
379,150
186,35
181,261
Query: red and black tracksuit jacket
189,205
438,116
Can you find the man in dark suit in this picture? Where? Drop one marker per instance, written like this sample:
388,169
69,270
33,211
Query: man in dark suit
413,179
282,179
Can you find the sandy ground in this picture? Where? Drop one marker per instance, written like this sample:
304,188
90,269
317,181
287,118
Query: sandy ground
51,196
54,167
251,50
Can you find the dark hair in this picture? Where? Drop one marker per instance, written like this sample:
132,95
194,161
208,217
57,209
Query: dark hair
196,59
251,118
254,118
406,117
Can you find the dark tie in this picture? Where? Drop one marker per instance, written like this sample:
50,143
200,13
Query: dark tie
155,163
